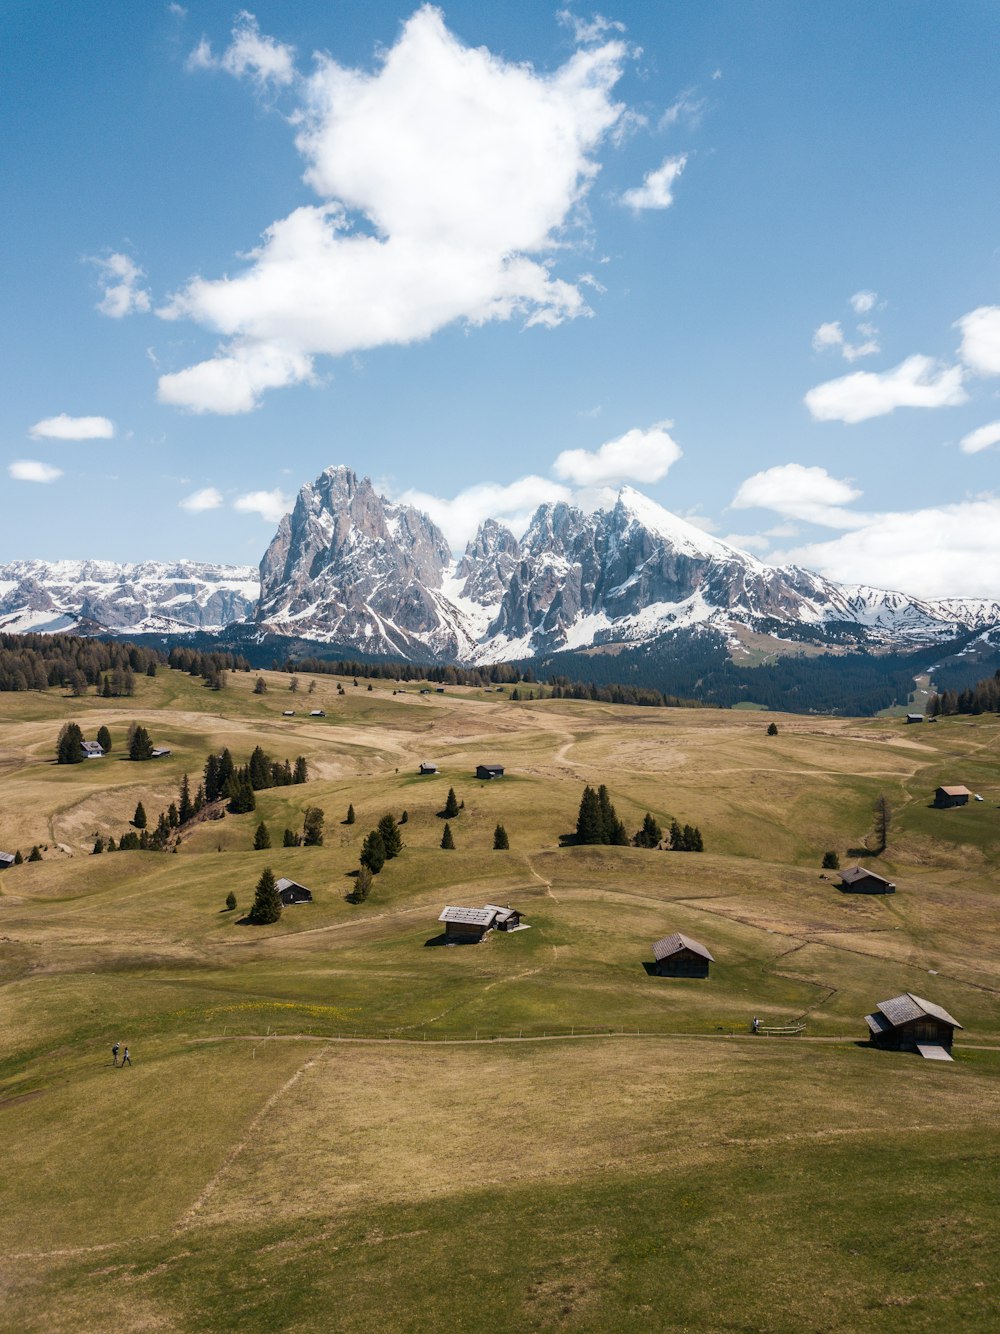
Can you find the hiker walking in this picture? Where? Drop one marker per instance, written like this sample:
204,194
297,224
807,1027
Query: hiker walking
115,1050
126,1059
756,1028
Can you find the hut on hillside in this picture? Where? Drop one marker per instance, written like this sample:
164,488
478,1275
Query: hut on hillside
909,1023
680,956
92,750
6,859
488,771
914,717
292,892
859,880
426,768
465,925
951,796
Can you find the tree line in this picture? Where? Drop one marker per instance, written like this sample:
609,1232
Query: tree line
598,823
211,667
38,662
981,697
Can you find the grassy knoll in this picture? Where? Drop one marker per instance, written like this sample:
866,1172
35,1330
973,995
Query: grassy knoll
272,1163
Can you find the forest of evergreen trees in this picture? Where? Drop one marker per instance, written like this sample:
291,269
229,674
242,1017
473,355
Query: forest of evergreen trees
981,697
36,662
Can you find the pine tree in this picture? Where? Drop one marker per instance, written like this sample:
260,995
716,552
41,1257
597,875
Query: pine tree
676,837
266,900
110,845
98,845
139,819
231,901
589,826
772,729
140,746
362,885
447,841
831,862
373,852
173,818
350,815
69,748
404,818
697,842
392,840
260,686
199,799
689,839
35,854
289,839
312,827
301,774
649,835
104,739
261,839
212,785
18,859
259,770
501,842
883,819
185,809
451,805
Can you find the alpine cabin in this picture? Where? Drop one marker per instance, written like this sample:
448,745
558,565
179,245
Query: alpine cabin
488,771
859,880
292,892
951,796
909,1023
468,925
680,956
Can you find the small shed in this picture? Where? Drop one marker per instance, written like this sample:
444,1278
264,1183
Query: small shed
506,918
292,892
955,795
467,924
6,859
92,750
288,713
489,771
859,880
428,768
910,1023
914,717
317,713
159,752
680,956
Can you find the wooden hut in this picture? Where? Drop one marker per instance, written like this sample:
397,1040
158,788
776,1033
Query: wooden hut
914,717
680,956
428,768
859,880
951,796
909,1023
292,892
92,750
506,919
6,859
488,771
467,925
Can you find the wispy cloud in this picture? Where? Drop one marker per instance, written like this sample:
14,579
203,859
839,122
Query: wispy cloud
656,190
250,54
983,437
917,382
199,501
121,279
65,427
30,470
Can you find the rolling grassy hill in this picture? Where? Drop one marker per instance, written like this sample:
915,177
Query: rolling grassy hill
334,1124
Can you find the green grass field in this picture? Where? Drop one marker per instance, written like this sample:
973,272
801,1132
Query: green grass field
332,1123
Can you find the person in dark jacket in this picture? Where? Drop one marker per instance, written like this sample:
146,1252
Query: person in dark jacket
126,1059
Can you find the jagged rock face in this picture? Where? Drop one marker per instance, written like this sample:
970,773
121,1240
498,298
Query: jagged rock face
154,595
489,562
349,566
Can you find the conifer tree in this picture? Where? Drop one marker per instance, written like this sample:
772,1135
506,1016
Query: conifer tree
18,859
676,837
392,840
831,862
362,885
140,746
446,839
883,819
261,839
501,842
139,819
185,808
289,839
772,729
589,826
104,739
260,686
266,900
231,901
69,748
350,815
110,845
373,852
451,805
649,835
35,854
98,845
301,774
173,818
312,827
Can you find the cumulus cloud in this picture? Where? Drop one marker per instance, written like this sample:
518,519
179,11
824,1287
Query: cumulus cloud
447,177
941,551
798,492
249,54
656,190
512,505
980,349
863,302
199,501
121,280
65,427
270,505
29,470
637,456
831,335
917,382
981,438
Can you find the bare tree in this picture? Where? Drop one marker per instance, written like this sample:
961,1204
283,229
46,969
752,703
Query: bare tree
883,819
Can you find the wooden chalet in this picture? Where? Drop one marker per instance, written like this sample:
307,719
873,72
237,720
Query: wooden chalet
92,750
6,859
467,925
159,752
680,956
859,880
951,796
909,1023
488,771
292,892
914,717
317,713
428,768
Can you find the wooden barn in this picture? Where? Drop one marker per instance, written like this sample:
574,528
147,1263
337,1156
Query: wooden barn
292,892
489,771
859,880
909,1023
951,796
506,919
467,924
6,859
914,717
428,768
680,956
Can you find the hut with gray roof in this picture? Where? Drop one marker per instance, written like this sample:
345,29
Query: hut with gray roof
468,925
680,956
292,892
910,1023
859,880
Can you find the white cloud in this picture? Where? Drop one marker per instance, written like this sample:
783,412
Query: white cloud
29,470
466,170
270,505
798,492
942,551
917,382
588,31
828,335
863,302
178,11
980,349
831,335
264,60
981,438
687,107
121,279
199,501
65,427
636,456
656,190
512,505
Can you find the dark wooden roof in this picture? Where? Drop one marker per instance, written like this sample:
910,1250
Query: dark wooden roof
285,883
901,1009
855,873
668,945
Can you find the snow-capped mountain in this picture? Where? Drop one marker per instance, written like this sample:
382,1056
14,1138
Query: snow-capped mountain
350,567
95,595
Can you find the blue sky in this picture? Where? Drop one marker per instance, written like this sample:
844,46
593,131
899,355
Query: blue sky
745,258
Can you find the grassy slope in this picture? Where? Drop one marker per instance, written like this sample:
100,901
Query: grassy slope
239,1179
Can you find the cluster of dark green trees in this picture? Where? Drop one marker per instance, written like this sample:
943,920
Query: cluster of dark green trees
211,667
380,845
223,778
613,693
598,822
35,855
143,837
983,697
313,822
267,905
36,662
500,673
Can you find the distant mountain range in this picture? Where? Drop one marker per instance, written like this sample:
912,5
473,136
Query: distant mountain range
351,568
